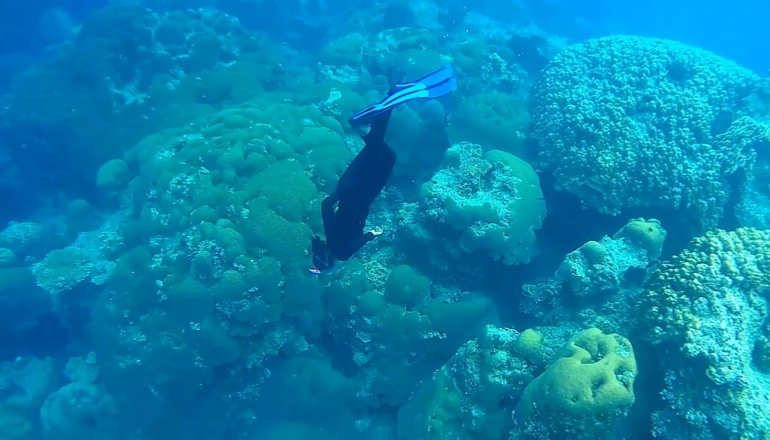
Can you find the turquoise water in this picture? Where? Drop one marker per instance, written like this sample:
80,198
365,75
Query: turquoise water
576,242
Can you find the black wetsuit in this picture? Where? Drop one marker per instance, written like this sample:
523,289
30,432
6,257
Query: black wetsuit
359,185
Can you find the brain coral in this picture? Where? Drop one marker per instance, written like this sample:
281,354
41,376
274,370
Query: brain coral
629,121
583,393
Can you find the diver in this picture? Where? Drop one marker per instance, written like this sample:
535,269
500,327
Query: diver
367,174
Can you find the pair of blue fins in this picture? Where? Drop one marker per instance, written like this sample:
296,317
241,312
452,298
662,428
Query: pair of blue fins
433,85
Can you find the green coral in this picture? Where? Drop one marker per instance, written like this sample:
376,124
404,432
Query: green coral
494,201
82,216
230,240
327,157
406,287
313,137
371,303
496,121
529,345
594,252
345,291
584,392
204,213
466,398
280,238
738,257
111,177
647,234
231,286
285,188
344,50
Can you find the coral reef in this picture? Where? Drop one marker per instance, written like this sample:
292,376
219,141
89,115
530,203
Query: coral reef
483,204
610,121
603,277
161,173
127,73
704,310
470,396
584,393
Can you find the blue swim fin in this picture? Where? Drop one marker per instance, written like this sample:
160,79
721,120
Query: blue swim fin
434,85
443,88
444,73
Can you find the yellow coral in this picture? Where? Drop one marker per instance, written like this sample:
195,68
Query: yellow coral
740,256
529,346
593,251
647,234
585,390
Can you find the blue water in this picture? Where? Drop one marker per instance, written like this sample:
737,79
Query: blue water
574,242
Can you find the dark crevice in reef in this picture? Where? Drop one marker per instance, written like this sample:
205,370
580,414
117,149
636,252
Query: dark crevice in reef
47,338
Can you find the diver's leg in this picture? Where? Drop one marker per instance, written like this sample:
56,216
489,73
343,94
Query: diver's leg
328,215
377,130
360,242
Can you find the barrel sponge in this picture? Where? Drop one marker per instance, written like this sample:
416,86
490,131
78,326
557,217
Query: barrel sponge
647,234
609,120
584,391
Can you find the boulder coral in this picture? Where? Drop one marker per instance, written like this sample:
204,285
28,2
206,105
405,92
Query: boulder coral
626,122
489,204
